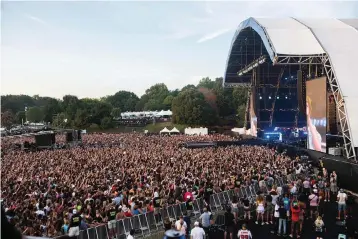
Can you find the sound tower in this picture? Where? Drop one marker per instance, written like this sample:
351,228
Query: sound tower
69,137
79,135
45,140
256,102
331,114
301,92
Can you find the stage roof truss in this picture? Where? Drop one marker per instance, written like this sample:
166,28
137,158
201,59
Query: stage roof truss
298,60
341,108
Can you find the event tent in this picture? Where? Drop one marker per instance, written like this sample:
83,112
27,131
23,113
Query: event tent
165,131
174,131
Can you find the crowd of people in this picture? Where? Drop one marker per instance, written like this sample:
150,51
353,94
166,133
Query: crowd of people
114,176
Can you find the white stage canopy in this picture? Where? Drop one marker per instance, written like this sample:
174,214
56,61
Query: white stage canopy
336,38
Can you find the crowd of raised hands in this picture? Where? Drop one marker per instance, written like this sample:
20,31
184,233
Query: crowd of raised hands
39,190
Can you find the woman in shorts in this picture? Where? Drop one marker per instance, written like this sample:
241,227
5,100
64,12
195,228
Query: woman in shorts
247,208
260,210
235,207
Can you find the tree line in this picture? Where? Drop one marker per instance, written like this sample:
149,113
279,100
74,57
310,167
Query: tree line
205,104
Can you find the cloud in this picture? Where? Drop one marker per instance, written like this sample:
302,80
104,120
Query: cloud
213,35
208,9
36,19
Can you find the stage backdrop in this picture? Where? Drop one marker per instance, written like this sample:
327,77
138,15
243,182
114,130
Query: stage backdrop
316,111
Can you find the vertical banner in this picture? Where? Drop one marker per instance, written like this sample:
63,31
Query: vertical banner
253,118
316,112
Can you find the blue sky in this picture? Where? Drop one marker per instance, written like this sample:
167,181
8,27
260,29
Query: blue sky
93,49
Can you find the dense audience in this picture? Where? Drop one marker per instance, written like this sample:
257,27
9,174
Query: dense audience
113,176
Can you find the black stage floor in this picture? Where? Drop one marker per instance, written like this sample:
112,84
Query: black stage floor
330,214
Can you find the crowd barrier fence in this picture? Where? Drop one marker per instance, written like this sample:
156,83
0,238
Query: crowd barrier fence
149,224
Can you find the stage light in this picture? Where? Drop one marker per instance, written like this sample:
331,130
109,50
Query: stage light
260,97
278,97
286,97
270,97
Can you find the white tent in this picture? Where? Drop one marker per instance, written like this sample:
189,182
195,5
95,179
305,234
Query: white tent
174,131
165,131
239,130
164,113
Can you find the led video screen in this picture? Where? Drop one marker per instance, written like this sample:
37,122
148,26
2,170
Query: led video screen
253,118
316,113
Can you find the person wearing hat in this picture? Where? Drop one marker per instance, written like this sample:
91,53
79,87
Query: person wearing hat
244,233
75,223
197,232
341,199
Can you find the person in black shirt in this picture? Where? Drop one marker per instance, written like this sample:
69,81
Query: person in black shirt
75,222
208,191
157,203
111,218
282,219
247,212
229,223
189,206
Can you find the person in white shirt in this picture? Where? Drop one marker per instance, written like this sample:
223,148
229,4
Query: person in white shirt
244,233
180,225
131,234
341,199
197,232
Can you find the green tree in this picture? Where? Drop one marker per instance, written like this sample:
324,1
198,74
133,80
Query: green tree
125,100
100,111
15,103
81,119
116,113
168,102
206,83
50,108
153,99
190,107
70,105
241,110
106,123
61,121
7,119
141,103
239,96
20,117
34,114
188,87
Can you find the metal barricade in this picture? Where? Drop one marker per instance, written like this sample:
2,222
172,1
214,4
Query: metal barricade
177,210
120,230
127,224
102,232
152,222
149,223
92,233
171,213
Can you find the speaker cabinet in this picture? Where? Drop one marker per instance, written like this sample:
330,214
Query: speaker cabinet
69,137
